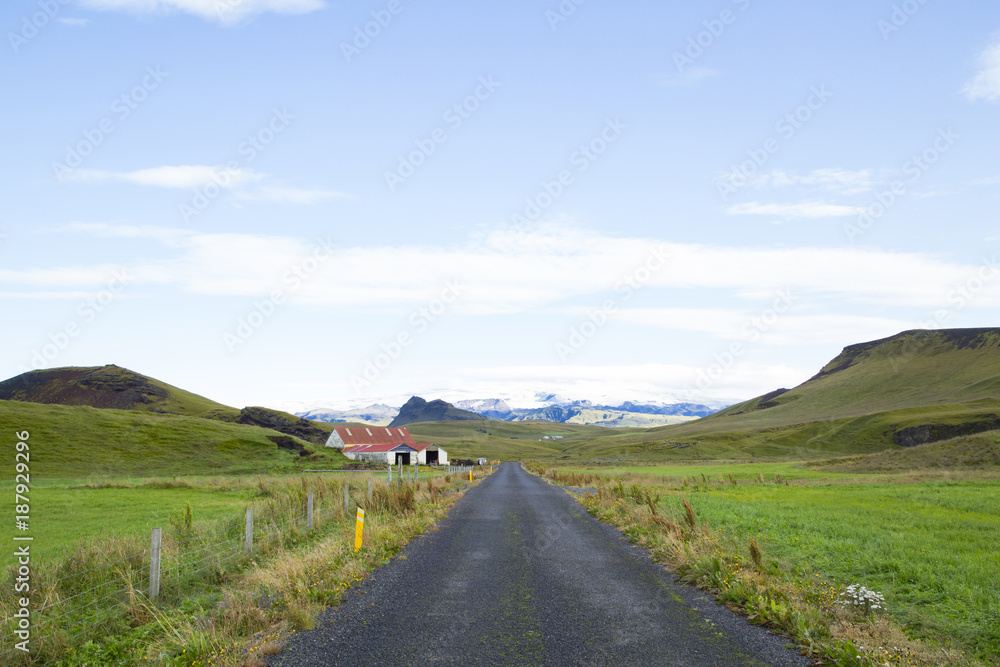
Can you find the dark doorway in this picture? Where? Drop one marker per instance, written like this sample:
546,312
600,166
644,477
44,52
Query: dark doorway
432,457
403,457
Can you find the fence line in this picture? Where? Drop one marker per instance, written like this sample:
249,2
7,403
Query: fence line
68,604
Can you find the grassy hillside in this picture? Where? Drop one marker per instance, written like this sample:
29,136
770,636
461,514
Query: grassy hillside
981,451
914,368
869,396
109,387
80,441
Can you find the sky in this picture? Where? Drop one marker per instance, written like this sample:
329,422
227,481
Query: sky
305,203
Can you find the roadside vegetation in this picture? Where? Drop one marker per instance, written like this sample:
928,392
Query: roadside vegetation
785,550
218,605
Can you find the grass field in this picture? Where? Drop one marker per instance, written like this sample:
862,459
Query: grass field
931,548
90,553
927,538
68,512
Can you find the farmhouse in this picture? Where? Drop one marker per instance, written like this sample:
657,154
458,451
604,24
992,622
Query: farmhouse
378,444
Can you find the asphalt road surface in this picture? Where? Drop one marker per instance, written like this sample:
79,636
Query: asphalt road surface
519,574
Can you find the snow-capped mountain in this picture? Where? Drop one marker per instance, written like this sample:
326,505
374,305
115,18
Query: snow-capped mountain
545,407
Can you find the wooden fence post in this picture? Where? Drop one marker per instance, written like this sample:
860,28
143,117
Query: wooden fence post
309,511
388,480
347,495
154,565
249,530
369,488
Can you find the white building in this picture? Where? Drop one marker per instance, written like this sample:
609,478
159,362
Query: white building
380,444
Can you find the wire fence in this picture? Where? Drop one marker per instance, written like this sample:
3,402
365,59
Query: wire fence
94,591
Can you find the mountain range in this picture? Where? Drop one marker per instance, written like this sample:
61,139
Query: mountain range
907,391
554,409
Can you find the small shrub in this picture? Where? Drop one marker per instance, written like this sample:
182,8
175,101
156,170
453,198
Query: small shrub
182,522
689,515
755,555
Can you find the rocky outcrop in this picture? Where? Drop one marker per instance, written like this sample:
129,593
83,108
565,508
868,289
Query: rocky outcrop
418,410
301,428
920,435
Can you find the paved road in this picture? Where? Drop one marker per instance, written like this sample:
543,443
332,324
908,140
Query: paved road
519,574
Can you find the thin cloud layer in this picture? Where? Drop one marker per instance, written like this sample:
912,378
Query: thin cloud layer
985,85
508,270
225,12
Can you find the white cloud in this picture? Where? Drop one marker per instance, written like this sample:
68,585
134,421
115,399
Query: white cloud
808,209
77,23
745,324
985,85
841,181
246,183
613,384
226,12
507,270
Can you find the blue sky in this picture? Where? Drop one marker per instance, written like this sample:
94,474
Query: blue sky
298,203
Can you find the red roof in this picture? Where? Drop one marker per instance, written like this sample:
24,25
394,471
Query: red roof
373,435
376,448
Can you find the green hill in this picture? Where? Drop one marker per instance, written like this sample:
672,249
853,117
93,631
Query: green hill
912,388
81,441
110,387
108,420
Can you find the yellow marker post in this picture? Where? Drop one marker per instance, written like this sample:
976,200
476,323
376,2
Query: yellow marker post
359,529
470,475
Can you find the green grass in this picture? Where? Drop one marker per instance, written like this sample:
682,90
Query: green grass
507,440
931,548
83,441
68,512
64,515
981,450
713,470
926,537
